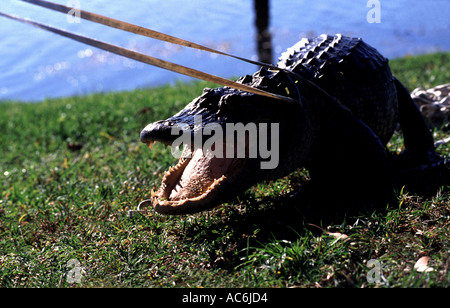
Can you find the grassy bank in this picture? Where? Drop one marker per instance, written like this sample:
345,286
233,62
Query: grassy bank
72,168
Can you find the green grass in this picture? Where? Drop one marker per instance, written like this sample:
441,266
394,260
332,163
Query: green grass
72,168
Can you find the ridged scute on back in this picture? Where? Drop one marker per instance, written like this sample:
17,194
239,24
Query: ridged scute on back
351,71
327,54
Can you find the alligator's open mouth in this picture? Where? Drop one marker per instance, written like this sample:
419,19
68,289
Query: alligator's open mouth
194,184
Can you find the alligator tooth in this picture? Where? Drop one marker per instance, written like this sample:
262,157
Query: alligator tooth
151,144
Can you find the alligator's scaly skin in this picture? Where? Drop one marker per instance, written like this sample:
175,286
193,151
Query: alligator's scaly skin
352,71
339,131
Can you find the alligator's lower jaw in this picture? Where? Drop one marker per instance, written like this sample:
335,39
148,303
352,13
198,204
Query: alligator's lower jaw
195,184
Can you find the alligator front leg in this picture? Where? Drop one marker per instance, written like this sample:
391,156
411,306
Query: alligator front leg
349,167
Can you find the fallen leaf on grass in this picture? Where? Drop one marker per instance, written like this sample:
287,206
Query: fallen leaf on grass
336,235
422,265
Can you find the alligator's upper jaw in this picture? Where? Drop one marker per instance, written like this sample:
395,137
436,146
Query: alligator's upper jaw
195,184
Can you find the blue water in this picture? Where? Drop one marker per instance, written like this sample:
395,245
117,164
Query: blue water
35,64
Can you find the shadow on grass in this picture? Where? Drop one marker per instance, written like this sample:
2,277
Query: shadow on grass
254,222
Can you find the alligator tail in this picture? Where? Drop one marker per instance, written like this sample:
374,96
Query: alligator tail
419,142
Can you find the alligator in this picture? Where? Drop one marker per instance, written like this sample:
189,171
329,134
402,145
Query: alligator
330,105
345,107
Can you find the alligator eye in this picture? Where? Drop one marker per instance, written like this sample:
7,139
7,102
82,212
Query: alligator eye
207,92
246,79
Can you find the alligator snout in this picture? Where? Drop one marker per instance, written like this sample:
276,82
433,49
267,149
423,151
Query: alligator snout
160,131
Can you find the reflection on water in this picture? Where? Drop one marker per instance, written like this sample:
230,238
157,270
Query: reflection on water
35,65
